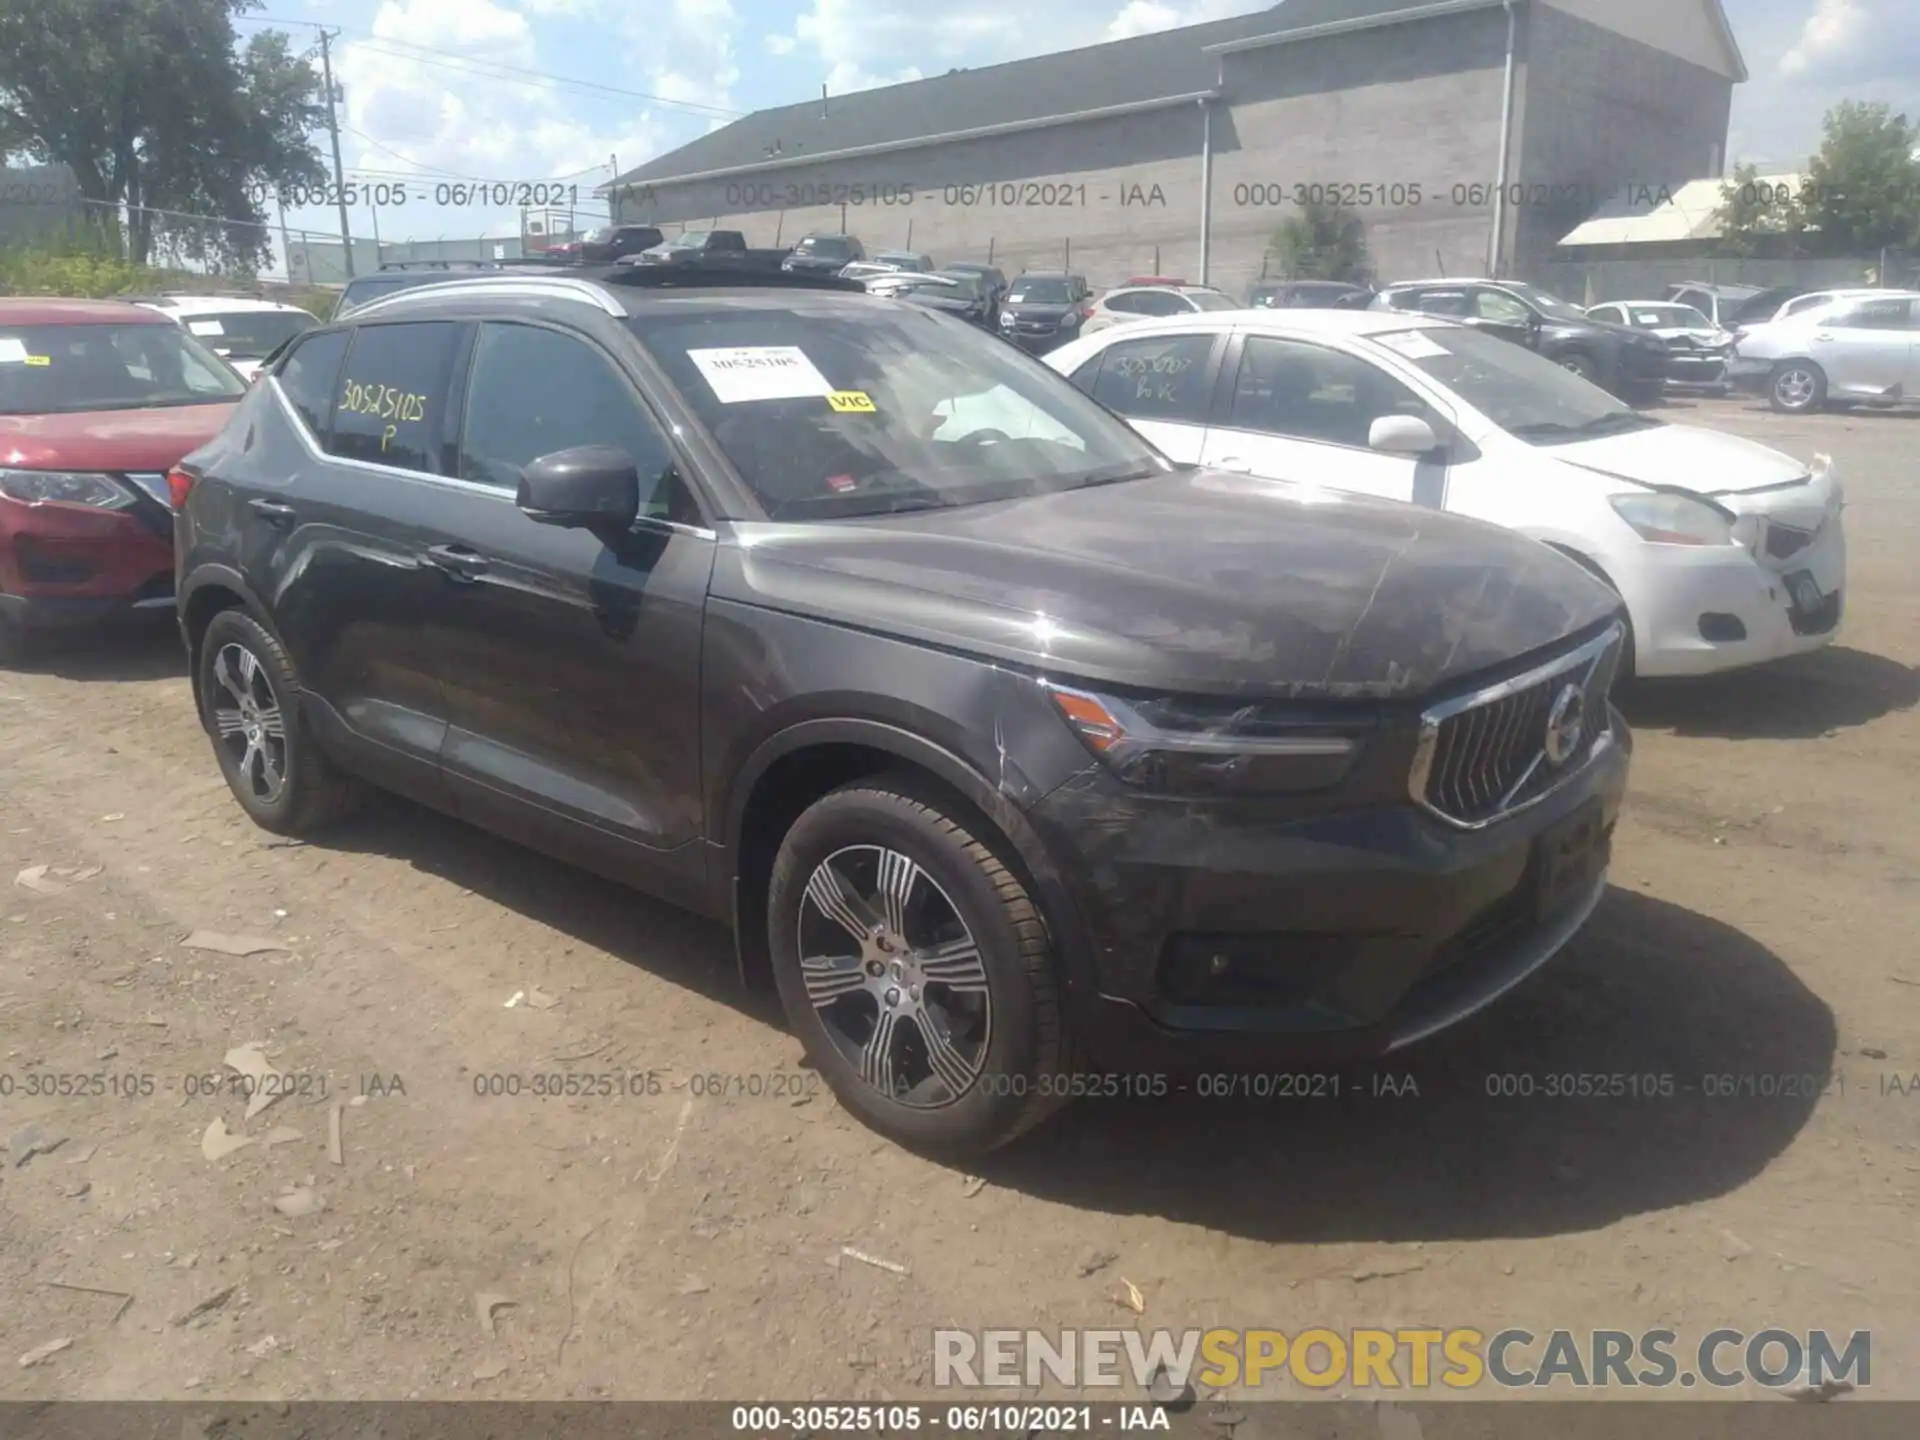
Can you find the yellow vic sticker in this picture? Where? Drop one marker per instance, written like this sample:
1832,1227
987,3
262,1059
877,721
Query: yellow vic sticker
39,360
851,402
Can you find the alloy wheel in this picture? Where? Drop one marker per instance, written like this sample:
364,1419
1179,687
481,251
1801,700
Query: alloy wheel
249,726
895,975
1794,388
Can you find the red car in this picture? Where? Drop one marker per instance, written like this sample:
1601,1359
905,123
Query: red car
98,400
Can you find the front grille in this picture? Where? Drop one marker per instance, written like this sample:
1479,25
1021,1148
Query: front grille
1786,541
1502,748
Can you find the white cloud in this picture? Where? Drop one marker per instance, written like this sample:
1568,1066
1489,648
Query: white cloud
1144,17
1832,32
699,36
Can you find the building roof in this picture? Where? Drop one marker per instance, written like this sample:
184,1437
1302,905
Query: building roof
34,310
1645,215
1146,71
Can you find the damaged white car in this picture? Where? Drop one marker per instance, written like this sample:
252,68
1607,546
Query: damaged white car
1726,553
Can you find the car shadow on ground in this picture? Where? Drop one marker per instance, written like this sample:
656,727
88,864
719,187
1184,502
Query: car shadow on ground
1650,990
1793,699
1428,1146
147,649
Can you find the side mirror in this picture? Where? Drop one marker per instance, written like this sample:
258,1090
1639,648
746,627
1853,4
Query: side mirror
1402,435
589,487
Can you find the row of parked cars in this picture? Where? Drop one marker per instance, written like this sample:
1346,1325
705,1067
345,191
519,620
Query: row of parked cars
1038,726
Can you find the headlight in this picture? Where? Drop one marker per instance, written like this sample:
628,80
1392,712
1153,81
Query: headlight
1070,319
1201,746
1006,319
1675,519
65,487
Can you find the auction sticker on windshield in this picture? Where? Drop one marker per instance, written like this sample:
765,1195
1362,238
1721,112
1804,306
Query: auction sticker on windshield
1412,344
856,402
206,327
12,351
760,372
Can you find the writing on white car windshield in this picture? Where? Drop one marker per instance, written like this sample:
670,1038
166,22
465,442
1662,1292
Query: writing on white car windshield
247,334
1041,292
64,369
1529,397
826,412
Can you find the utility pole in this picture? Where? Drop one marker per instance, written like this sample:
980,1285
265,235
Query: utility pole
333,131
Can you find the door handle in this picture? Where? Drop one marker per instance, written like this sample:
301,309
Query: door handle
1235,464
273,512
457,561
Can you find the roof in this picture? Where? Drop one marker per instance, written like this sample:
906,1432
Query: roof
614,288
212,305
1358,324
35,310
1653,215
1144,71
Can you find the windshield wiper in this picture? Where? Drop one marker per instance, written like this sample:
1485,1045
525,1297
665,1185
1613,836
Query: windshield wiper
1541,427
1616,420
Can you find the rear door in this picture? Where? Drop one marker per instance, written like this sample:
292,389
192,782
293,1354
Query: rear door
572,662
335,538
1294,410
1162,384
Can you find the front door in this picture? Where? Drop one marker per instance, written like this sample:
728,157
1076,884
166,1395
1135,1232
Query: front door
1303,412
572,662
1162,384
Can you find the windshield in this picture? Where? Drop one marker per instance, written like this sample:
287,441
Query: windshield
1529,397
1550,305
247,334
1041,292
692,240
1213,300
1664,317
825,245
962,282
57,369
598,237
834,411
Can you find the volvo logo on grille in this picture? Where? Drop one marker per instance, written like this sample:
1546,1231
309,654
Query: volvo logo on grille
1566,722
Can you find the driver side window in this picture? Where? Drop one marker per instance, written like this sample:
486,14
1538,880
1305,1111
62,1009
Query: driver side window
1500,308
533,391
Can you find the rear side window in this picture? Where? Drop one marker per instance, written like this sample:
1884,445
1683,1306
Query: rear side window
1871,315
1162,378
391,397
310,377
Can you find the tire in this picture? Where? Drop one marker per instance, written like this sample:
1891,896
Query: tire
16,642
307,793
1580,364
1007,1060
1797,387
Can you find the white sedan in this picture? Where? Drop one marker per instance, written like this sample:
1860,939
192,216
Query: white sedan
240,331
1726,553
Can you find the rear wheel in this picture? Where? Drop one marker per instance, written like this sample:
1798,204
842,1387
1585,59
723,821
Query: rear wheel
1580,364
1797,386
916,970
16,642
250,705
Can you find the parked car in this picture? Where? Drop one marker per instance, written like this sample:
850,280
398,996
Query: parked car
615,242
241,332
1859,350
1044,308
702,245
1630,363
823,253
98,399
905,260
1725,552
959,293
864,270
1151,302
1307,295
825,615
1149,280
391,278
1697,349
1731,306
1812,300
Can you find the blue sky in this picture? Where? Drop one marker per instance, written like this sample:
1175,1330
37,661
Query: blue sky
448,88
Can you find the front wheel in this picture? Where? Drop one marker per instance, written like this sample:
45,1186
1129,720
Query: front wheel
1579,364
1797,387
916,970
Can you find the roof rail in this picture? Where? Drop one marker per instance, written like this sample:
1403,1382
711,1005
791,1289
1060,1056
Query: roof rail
707,275
504,285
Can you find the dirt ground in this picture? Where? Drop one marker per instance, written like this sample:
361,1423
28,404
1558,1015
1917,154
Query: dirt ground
1764,921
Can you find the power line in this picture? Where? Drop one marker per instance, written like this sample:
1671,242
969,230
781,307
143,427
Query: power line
495,69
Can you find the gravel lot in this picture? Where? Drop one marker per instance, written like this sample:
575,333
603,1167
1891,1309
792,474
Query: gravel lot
1763,923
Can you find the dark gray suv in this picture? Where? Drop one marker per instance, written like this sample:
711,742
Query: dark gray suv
1028,763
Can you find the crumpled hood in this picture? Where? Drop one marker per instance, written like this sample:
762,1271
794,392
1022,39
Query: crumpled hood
1685,457
1195,581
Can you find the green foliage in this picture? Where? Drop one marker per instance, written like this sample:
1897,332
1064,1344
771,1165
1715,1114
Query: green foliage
153,106
1863,188
88,272
1323,242
1757,216
317,303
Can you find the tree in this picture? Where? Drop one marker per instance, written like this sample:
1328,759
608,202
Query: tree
1757,215
1862,190
154,107
1323,242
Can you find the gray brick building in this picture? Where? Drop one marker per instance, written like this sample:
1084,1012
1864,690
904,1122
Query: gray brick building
1178,153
